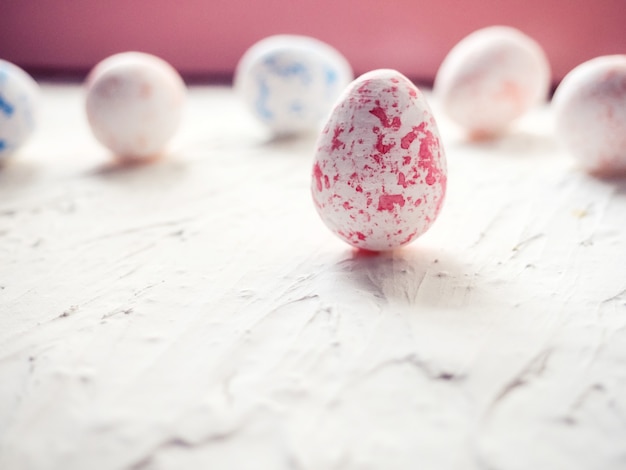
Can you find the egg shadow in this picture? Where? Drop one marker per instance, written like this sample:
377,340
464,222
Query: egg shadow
290,144
159,171
515,143
256,145
16,174
411,276
616,180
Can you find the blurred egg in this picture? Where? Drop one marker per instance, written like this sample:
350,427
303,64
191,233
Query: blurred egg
19,102
590,114
290,83
134,104
379,174
490,78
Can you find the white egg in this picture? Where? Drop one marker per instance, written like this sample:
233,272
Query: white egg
590,114
490,78
19,102
134,103
379,176
290,83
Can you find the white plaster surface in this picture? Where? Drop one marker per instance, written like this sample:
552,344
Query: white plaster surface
196,313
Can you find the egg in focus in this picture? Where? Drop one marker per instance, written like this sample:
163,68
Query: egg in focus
379,174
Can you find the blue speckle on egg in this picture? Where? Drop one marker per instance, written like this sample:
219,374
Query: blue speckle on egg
261,102
331,76
288,69
18,102
297,107
5,107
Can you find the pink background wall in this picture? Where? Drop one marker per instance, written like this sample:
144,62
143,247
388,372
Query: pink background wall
207,37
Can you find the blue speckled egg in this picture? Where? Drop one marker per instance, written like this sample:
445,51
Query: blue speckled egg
19,100
290,83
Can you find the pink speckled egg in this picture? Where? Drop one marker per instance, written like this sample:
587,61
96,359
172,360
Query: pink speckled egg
490,78
590,114
134,103
379,175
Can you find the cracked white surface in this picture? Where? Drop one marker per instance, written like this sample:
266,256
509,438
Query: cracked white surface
196,313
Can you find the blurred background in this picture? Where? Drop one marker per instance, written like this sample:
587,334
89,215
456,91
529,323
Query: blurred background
204,39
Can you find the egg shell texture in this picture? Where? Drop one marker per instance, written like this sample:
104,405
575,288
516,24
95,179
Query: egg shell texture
19,101
291,82
590,114
134,103
379,174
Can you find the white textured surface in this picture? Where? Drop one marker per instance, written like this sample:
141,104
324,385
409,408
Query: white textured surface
196,313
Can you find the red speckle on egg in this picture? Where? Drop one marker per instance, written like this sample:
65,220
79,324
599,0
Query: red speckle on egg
402,180
381,114
381,147
336,143
408,139
145,91
363,88
317,174
387,202
427,161
409,237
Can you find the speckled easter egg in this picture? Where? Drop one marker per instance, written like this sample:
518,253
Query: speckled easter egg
19,102
379,175
134,104
490,78
290,82
590,114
